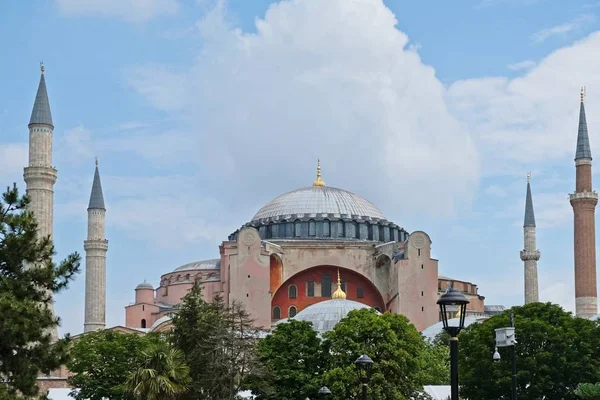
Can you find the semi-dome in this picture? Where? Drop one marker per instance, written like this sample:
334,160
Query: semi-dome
200,265
325,315
318,201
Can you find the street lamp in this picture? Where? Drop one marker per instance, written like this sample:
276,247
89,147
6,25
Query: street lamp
453,298
364,364
506,337
324,391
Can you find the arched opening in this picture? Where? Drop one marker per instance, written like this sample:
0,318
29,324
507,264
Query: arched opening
143,324
276,312
292,312
292,292
326,285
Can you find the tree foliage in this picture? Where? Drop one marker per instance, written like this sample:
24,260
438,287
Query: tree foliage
102,361
162,375
294,363
555,352
435,369
394,344
588,391
216,338
28,280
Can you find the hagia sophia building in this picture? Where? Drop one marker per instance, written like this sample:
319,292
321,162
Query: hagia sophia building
284,262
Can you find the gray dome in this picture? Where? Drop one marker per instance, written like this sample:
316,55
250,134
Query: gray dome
144,285
200,265
431,332
326,314
316,201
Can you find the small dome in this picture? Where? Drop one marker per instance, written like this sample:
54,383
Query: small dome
318,201
144,285
326,314
200,265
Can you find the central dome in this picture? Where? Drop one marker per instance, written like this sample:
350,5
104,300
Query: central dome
316,201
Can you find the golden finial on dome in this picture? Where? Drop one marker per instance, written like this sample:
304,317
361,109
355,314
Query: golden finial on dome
582,94
339,293
318,181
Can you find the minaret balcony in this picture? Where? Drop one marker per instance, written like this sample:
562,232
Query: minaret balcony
527,255
95,244
584,196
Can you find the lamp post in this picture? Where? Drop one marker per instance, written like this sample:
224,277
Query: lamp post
453,298
363,368
324,391
507,337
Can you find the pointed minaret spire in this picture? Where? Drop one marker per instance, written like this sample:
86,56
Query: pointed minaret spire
529,214
95,247
41,107
530,255
584,202
583,140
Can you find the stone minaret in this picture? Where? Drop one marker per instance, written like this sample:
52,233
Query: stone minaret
40,175
95,247
584,202
530,255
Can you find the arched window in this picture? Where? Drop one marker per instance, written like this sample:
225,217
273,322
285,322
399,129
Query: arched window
326,228
274,230
292,312
143,324
312,230
281,229
298,228
360,292
276,312
326,286
293,291
377,309
310,289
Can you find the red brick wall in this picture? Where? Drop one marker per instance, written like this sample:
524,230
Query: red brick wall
371,295
585,247
276,272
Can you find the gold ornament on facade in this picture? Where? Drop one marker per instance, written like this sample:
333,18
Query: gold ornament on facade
339,293
318,181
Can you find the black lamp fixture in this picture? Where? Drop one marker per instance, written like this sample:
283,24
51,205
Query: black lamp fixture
453,298
364,365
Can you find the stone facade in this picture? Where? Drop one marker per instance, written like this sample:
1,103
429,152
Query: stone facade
530,254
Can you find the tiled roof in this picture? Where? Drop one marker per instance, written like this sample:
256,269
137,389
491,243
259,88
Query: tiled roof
583,140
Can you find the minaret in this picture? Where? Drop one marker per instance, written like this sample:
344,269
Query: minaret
530,255
40,175
584,202
95,247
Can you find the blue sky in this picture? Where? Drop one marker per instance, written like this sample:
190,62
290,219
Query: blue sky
202,111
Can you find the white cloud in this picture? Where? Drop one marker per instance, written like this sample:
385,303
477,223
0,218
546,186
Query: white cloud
330,79
14,157
525,121
527,64
128,10
562,29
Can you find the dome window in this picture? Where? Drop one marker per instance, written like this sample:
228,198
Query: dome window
326,228
312,230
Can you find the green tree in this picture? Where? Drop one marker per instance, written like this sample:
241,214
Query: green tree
555,352
219,343
162,375
294,363
102,361
588,391
435,369
393,343
28,279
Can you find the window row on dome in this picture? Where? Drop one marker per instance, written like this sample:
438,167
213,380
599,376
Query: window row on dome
332,229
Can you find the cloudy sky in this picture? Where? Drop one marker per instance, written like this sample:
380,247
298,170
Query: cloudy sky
202,111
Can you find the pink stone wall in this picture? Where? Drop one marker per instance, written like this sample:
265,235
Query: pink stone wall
134,314
144,296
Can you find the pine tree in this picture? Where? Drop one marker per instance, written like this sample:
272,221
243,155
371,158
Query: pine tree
28,280
219,343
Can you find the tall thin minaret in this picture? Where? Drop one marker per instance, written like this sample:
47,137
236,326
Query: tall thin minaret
584,202
40,175
530,254
95,247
